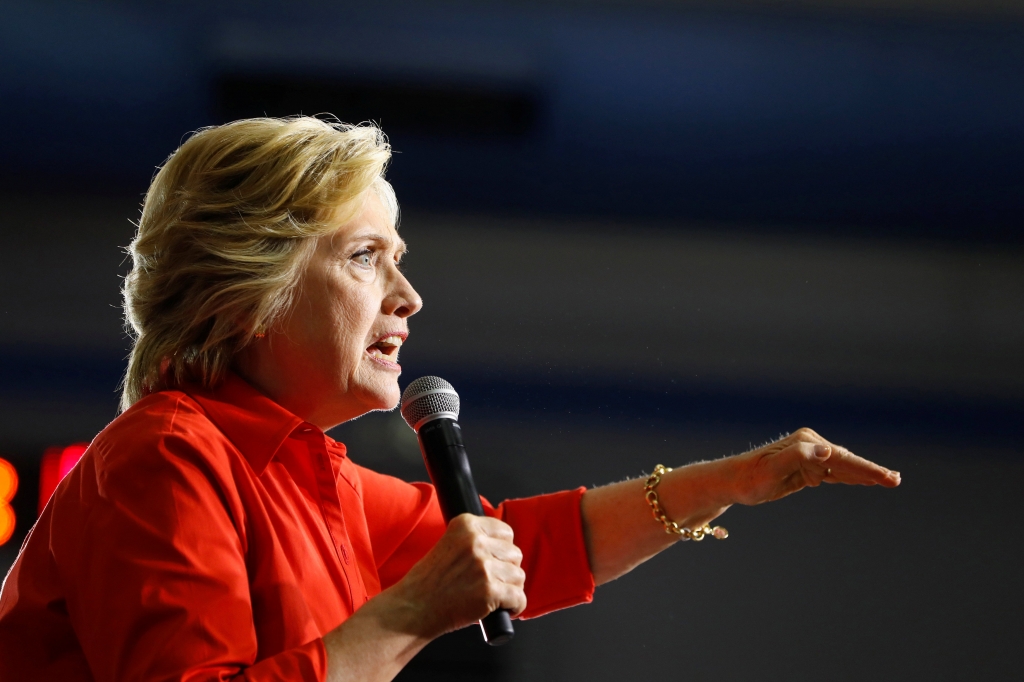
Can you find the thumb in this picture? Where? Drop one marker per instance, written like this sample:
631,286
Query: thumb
820,453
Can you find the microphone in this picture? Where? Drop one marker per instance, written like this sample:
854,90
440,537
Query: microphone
430,406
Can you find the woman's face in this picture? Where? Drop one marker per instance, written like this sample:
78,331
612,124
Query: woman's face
334,356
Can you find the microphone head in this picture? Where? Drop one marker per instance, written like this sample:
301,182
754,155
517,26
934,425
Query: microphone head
429,398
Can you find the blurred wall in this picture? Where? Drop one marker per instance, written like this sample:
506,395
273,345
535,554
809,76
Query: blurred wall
644,233
901,119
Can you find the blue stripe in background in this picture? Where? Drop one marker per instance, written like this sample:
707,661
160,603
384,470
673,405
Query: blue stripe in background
40,372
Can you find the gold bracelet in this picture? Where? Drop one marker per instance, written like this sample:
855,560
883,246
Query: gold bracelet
671,527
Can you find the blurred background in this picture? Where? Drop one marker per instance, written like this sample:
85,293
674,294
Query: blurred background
645,232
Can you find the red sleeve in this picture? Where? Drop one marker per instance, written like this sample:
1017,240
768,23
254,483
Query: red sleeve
549,530
154,568
404,521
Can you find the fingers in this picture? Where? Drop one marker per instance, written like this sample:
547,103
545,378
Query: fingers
504,583
496,567
836,464
859,471
475,569
495,528
490,537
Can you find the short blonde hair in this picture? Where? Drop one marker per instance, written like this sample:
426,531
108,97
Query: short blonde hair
227,226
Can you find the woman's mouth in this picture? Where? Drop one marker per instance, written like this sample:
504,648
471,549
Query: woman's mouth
385,350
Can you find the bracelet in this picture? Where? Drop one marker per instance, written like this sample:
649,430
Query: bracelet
671,527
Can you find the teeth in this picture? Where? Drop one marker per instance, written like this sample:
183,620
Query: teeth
378,353
391,345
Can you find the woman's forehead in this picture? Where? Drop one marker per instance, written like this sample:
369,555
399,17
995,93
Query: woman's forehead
382,236
371,223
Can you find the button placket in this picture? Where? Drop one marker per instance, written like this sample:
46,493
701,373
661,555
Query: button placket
332,515
330,508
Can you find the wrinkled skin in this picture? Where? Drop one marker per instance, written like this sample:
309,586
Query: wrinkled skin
803,459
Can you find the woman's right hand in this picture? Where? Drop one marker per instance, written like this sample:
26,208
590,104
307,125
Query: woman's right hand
473,569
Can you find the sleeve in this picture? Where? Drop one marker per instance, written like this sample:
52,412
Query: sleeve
549,531
404,521
153,559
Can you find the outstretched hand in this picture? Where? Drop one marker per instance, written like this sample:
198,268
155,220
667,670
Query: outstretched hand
802,459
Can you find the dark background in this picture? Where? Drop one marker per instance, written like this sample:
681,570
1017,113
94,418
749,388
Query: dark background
645,232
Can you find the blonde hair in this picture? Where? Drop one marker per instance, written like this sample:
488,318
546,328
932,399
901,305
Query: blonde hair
227,226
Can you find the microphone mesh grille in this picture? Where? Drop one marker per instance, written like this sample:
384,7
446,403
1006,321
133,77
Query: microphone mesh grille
440,398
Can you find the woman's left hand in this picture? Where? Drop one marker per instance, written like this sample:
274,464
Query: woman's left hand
801,459
617,524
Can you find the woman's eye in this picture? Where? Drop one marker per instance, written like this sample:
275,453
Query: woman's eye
363,258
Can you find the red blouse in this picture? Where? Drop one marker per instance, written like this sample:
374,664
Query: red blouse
213,535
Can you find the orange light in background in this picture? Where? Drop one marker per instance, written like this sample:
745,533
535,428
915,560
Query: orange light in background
56,464
8,486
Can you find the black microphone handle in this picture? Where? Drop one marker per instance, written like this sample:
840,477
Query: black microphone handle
448,466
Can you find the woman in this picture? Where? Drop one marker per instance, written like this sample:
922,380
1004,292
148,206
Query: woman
213,531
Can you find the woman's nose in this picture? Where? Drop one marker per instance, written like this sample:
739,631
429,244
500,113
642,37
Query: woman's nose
402,300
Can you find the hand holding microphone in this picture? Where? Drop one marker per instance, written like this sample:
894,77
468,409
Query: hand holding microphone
478,551
471,573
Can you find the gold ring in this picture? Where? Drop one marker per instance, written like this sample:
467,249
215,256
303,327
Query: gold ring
828,472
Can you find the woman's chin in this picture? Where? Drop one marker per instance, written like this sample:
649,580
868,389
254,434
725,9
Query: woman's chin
392,401
380,395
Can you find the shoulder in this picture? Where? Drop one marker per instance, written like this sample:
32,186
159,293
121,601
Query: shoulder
165,429
159,479
163,412
156,465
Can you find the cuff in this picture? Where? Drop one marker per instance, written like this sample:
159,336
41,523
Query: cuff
549,531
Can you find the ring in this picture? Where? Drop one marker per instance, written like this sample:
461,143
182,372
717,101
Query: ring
828,472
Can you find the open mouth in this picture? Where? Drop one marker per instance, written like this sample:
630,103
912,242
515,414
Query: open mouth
386,349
